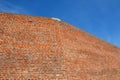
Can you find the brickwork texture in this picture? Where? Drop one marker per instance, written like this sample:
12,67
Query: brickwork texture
40,48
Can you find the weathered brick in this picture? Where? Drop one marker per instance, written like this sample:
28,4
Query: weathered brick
39,48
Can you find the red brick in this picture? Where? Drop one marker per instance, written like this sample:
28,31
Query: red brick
39,48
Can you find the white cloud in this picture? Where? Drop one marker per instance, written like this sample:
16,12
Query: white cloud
12,8
56,19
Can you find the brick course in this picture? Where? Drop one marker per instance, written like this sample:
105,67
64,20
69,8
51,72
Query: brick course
40,48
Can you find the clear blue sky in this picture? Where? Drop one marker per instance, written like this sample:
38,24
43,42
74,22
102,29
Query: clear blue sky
98,17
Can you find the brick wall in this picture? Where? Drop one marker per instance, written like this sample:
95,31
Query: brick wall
38,48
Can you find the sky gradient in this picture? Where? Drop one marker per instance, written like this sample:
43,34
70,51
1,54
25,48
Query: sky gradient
100,18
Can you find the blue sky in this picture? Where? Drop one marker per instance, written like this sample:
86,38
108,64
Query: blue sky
98,17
